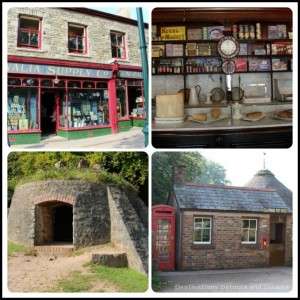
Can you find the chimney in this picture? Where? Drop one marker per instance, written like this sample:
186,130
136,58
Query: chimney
178,175
123,12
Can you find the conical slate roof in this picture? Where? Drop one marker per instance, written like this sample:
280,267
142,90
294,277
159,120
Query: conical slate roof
266,179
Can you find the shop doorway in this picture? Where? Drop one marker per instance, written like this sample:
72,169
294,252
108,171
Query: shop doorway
48,123
277,244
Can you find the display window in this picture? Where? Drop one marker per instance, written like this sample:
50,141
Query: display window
22,108
45,105
130,98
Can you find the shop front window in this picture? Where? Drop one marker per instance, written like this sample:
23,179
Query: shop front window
86,108
121,101
22,109
136,98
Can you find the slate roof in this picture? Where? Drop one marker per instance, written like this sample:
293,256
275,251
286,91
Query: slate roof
266,179
227,198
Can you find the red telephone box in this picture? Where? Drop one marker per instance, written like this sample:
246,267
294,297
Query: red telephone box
163,233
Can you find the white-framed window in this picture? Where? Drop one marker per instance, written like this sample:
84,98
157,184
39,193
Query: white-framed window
77,39
249,231
202,230
29,35
118,49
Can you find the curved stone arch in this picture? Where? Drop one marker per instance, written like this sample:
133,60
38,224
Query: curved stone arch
53,219
50,197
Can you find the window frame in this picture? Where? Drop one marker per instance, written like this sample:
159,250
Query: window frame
31,31
248,229
83,38
117,46
210,231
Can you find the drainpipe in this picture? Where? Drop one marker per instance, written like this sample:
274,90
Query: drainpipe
143,47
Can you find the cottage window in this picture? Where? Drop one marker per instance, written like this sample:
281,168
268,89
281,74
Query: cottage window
117,45
249,231
77,39
202,230
29,35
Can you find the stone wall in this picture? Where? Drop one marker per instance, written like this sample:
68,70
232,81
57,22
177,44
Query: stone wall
127,230
101,213
226,250
32,203
55,35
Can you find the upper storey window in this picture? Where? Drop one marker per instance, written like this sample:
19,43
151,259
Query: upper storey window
29,32
118,49
77,39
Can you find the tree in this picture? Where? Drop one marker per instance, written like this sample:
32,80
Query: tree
199,170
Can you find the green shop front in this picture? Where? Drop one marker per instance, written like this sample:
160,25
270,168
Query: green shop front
72,100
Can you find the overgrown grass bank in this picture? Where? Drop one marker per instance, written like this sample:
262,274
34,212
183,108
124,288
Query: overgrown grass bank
75,174
125,279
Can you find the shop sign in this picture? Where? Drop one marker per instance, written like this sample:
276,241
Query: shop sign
275,210
172,33
57,70
130,74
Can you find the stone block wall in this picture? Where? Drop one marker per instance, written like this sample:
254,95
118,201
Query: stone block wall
101,213
127,230
226,250
55,35
30,219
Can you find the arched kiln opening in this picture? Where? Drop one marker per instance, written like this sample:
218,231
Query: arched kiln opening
53,223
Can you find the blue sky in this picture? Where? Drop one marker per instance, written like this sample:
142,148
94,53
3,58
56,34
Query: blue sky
132,10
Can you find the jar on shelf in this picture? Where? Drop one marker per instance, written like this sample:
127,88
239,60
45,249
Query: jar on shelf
235,31
205,33
252,32
241,32
246,32
258,31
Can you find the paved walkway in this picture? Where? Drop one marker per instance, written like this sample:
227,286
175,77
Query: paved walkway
276,279
132,139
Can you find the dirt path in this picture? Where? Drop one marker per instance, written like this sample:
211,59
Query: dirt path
40,273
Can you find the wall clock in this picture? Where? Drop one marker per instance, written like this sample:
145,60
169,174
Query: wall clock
228,47
228,66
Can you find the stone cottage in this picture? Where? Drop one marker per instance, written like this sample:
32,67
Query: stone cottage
80,213
224,227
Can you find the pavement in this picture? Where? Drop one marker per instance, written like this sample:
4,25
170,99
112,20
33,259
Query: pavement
132,139
258,280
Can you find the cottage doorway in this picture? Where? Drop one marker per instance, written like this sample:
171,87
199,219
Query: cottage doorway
277,242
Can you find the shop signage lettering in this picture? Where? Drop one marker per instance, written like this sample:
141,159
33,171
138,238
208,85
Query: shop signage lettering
129,74
172,33
276,210
57,70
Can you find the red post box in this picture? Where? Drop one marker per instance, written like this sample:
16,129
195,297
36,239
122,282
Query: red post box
264,243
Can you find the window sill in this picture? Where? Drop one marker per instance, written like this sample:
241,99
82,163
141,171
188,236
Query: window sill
119,60
79,55
31,50
202,246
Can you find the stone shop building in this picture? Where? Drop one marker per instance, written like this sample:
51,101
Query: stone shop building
75,72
